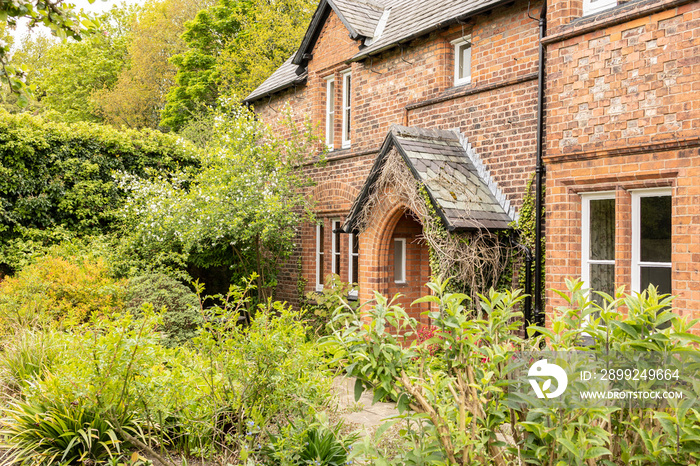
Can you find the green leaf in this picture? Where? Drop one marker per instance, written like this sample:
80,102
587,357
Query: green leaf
359,388
596,452
569,445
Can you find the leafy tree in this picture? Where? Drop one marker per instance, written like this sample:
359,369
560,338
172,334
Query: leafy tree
54,14
246,201
232,48
196,86
30,55
138,96
271,32
77,70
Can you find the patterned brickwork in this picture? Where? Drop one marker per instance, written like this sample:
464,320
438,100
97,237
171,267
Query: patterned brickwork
623,113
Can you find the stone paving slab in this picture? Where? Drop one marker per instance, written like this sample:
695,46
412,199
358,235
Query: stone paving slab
367,415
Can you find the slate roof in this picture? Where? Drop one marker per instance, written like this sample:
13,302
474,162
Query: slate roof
285,76
413,18
408,19
362,15
459,188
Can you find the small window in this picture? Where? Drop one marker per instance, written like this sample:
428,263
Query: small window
651,240
330,112
336,246
463,60
347,105
591,7
598,243
319,256
400,260
353,262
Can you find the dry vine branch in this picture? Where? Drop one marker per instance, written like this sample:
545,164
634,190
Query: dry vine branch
475,260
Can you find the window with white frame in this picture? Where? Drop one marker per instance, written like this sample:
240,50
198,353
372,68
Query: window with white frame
591,7
335,246
651,240
330,111
463,60
347,106
400,260
319,256
598,243
353,262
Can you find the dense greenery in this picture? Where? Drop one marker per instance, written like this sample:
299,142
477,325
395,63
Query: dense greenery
54,14
163,64
240,209
57,180
457,382
94,389
232,47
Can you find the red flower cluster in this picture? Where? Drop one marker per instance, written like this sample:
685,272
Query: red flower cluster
426,333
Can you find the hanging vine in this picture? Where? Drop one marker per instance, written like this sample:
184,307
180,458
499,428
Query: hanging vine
474,260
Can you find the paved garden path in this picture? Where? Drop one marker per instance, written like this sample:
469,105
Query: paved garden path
363,413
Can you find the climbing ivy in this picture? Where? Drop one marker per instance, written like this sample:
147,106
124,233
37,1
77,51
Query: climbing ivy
525,225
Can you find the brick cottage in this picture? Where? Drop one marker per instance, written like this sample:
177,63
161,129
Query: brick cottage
455,91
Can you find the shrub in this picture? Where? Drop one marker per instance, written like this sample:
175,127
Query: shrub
58,291
26,356
460,409
58,178
318,308
266,373
182,316
319,444
43,433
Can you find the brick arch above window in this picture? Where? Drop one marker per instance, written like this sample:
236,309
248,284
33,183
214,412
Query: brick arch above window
334,197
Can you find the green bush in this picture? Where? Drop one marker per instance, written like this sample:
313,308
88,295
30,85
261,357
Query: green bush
318,444
26,356
44,434
58,179
198,399
58,291
182,316
457,382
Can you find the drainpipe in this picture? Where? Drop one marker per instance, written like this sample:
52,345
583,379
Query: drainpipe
539,171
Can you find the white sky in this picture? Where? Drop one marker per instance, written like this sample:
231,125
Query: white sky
98,6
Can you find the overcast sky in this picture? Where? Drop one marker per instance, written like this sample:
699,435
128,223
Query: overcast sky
98,6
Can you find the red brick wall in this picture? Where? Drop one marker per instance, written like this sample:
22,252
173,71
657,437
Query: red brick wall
623,113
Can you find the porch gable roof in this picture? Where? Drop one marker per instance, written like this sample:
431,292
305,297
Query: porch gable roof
461,196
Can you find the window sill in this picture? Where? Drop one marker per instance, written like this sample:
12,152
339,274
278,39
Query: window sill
462,82
319,288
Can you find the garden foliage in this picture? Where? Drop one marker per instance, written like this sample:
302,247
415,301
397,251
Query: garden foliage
91,393
181,307
57,180
58,292
240,209
453,387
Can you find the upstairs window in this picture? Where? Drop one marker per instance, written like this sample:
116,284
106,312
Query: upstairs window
463,60
330,112
591,7
346,109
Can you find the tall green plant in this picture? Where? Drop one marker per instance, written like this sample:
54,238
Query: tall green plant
457,382
241,209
